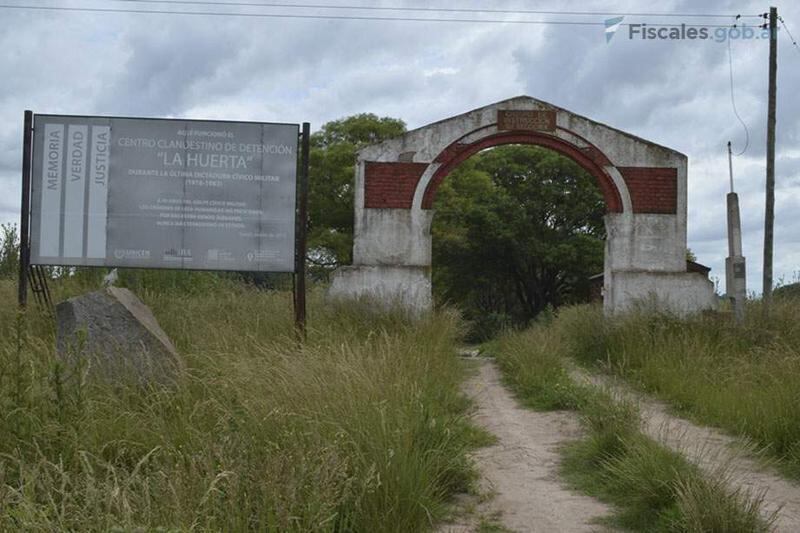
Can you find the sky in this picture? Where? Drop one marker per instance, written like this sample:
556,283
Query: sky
673,92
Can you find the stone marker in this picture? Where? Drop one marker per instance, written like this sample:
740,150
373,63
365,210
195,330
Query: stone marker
116,337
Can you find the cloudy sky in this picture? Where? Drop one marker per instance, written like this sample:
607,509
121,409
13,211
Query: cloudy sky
675,93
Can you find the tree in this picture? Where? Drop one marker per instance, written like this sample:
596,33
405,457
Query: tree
331,183
9,251
517,229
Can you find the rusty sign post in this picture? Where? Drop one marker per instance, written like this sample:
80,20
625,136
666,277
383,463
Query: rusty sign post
300,239
25,211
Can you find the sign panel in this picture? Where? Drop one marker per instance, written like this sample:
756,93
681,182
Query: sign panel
526,120
155,193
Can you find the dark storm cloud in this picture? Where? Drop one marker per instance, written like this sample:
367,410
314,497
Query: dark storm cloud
673,93
164,64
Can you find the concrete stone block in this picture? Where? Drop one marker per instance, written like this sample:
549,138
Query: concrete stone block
114,337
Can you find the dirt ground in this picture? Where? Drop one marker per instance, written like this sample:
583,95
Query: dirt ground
713,451
520,486
520,471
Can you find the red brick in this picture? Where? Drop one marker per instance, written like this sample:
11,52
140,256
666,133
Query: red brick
652,189
391,185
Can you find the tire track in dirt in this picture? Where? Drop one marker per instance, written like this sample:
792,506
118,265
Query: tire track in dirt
521,469
712,450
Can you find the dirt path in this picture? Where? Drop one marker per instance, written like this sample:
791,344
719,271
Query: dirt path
521,469
711,449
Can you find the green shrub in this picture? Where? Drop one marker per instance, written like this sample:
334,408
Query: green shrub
9,251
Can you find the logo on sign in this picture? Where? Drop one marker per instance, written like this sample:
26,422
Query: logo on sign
127,253
260,255
178,254
217,255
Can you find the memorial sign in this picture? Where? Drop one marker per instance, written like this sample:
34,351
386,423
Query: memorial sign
158,193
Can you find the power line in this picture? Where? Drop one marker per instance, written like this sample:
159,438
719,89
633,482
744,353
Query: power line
733,102
429,9
791,37
327,17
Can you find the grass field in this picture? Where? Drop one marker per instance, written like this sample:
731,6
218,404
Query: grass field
743,379
360,429
652,488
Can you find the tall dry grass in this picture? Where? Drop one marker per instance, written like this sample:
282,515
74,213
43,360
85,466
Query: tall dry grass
652,488
745,379
360,429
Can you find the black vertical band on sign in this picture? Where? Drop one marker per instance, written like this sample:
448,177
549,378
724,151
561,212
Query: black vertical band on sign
25,210
300,237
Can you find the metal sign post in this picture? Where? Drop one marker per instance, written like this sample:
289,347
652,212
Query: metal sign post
300,240
24,228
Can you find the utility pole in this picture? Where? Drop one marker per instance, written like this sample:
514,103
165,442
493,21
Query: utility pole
769,213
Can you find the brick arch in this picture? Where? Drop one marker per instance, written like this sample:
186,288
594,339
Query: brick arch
590,159
643,185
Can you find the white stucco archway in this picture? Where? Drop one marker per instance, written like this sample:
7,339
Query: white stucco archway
644,186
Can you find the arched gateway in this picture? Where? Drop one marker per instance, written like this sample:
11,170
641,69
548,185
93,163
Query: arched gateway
644,186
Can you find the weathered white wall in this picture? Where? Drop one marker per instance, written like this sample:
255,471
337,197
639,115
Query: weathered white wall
394,237
409,287
648,242
681,293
